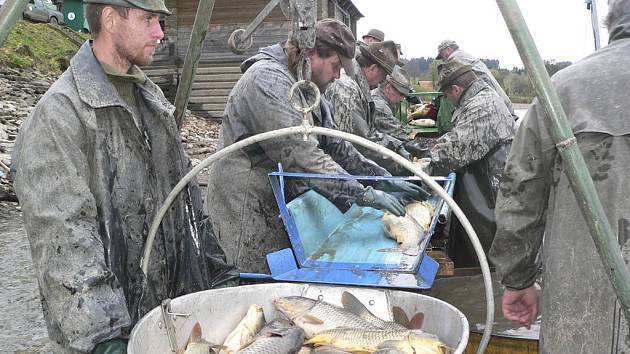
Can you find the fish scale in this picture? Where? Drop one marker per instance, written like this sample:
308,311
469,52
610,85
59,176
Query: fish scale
315,316
274,340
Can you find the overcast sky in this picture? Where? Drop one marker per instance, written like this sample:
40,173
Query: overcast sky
561,28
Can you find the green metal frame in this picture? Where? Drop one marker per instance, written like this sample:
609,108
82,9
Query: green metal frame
445,113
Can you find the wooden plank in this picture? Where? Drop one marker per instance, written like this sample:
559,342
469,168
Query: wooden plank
201,70
215,48
209,106
214,92
213,85
210,92
217,77
212,99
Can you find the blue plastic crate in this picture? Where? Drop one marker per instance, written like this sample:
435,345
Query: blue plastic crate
331,247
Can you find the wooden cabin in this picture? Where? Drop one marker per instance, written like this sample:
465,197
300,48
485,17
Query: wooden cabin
218,68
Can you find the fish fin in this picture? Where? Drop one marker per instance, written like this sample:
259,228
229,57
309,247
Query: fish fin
400,316
311,319
358,350
195,334
354,305
416,321
328,349
318,340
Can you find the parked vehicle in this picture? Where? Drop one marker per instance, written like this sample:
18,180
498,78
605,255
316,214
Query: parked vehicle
43,11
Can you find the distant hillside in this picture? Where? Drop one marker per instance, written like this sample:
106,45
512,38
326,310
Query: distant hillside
40,46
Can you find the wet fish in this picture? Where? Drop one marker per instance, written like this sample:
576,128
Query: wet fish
354,305
315,316
278,337
246,329
324,349
422,212
356,340
404,229
197,345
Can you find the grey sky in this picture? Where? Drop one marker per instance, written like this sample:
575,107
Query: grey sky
561,28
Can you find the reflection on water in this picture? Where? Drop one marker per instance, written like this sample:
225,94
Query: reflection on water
468,295
22,327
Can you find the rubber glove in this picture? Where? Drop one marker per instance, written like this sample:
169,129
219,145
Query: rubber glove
404,153
409,189
381,200
112,346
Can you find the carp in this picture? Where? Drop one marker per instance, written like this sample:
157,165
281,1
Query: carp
277,337
369,341
404,229
315,316
352,304
422,212
197,345
246,329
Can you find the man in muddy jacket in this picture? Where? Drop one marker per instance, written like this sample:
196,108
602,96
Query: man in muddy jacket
580,311
92,166
449,50
476,148
240,201
352,104
390,93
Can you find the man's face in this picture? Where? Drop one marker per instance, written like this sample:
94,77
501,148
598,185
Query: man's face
324,70
137,36
393,96
445,53
452,93
369,40
374,74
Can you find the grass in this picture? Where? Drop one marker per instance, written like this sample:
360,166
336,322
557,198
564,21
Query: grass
37,46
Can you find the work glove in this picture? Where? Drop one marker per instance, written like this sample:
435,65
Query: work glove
404,153
407,189
381,200
112,346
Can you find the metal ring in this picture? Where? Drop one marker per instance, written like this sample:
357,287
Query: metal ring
236,43
296,105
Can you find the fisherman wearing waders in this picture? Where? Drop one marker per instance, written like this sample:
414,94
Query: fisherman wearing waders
240,201
92,165
579,308
476,149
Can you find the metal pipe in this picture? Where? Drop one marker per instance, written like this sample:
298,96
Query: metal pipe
575,167
10,14
305,130
197,36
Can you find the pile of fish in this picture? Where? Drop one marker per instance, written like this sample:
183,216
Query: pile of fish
411,229
315,326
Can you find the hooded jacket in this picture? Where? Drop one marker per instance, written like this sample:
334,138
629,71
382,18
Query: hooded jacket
580,311
240,201
90,182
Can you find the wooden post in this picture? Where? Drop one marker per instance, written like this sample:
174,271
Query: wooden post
198,35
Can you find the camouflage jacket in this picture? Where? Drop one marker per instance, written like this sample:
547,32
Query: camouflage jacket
476,149
483,72
90,183
384,119
353,112
242,206
536,202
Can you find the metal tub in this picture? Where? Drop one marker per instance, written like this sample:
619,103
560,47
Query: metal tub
219,311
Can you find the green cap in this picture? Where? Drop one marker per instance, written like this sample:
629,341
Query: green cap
450,71
147,5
